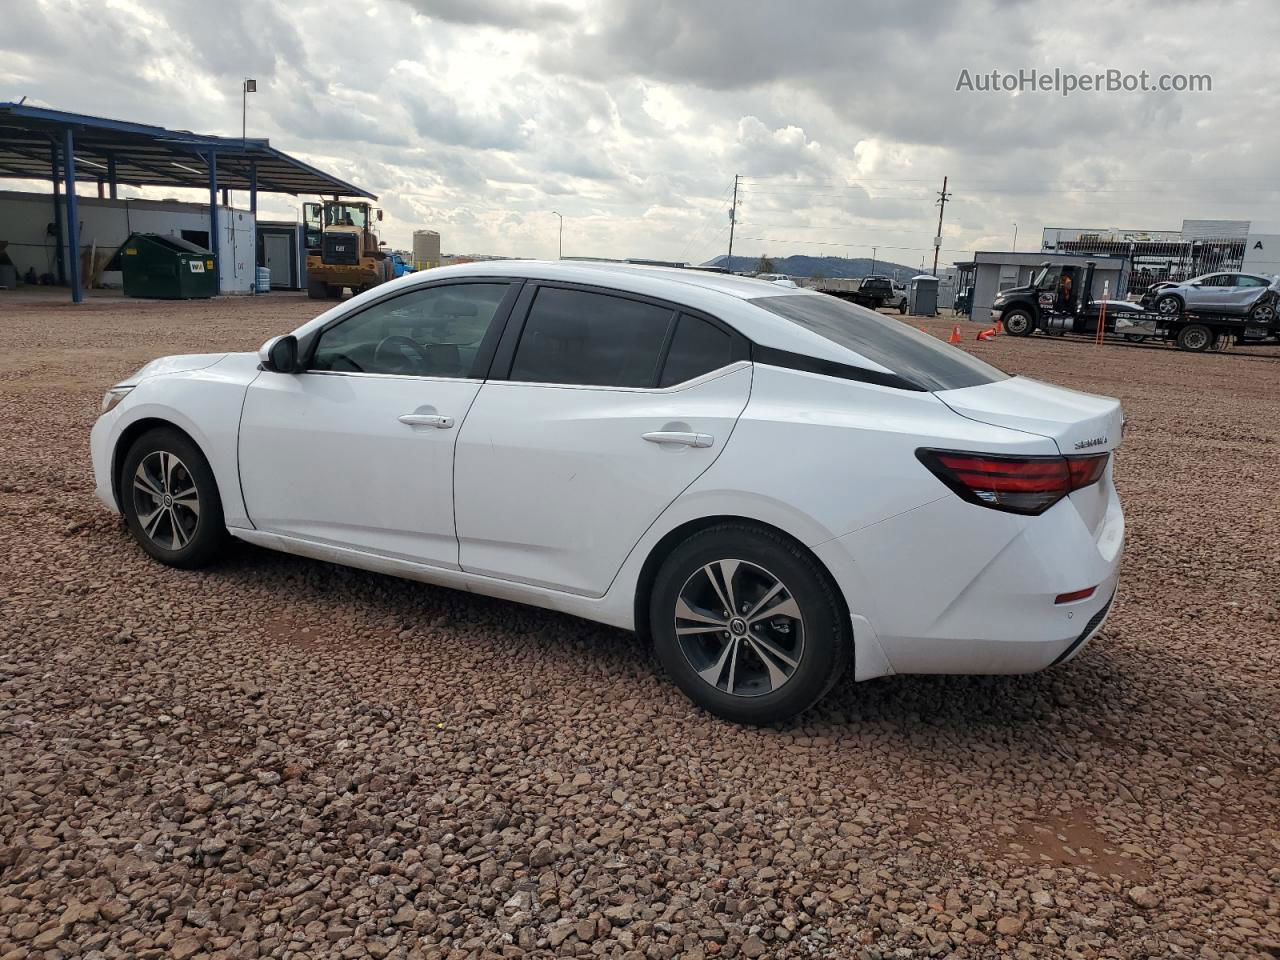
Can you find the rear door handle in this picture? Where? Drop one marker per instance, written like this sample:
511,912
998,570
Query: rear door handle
688,439
427,420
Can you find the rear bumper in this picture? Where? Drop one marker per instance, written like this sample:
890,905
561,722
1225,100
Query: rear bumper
955,588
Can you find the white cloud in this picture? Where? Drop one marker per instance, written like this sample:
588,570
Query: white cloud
478,117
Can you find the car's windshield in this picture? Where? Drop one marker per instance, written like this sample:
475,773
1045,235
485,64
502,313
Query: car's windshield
913,355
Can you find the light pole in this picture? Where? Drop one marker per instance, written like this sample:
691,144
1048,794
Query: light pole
1015,236
873,260
560,249
249,86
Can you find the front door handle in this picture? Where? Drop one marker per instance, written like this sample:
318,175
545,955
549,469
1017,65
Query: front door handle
427,420
688,439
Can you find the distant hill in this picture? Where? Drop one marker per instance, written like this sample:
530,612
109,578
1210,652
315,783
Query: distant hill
801,266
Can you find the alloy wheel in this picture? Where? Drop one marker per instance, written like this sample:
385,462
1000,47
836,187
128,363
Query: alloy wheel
165,500
740,628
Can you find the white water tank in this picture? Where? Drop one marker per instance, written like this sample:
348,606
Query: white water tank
426,249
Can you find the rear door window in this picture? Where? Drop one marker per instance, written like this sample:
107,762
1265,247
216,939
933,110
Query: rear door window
916,357
697,348
591,339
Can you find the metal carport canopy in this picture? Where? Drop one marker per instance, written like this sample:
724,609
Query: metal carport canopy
142,155
38,143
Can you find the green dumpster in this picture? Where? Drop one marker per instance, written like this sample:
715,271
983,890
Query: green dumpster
167,268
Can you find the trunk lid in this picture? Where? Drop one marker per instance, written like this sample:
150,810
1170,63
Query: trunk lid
1079,423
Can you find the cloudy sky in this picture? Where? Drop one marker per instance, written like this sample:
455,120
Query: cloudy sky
479,117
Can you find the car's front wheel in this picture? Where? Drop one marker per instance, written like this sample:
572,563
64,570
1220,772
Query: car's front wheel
170,499
1169,306
748,624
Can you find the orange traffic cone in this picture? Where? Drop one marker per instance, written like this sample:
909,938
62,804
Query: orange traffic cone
955,334
987,334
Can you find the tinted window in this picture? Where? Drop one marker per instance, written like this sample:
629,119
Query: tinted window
697,348
916,357
1244,280
572,336
426,333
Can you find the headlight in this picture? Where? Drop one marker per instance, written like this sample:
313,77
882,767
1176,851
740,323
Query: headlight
114,396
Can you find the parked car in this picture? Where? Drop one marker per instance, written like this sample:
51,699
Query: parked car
771,483
1233,293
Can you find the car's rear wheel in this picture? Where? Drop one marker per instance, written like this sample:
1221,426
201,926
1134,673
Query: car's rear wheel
748,624
1018,323
1195,337
316,290
170,499
1263,312
1169,305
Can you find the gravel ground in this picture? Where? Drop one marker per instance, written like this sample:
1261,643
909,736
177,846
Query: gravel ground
277,757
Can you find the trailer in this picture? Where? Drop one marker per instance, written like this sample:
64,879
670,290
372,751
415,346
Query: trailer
1043,306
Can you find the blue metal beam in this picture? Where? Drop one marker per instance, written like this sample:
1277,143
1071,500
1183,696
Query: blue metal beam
111,173
56,174
73,214
213,218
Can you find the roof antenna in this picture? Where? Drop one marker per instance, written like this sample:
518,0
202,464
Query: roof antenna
23,100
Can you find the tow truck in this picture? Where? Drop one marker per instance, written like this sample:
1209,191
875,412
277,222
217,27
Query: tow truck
1039,306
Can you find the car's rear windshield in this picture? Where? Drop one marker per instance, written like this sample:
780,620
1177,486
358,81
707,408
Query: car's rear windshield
924,361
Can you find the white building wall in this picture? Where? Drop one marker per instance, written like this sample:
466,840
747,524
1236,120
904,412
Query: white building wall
25,217
1262,254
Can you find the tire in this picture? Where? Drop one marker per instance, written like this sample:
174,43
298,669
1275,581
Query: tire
317,290
1195,337
1136,337
186,530
783,663
334,291
902,306
1263,313
1018,323
1169,305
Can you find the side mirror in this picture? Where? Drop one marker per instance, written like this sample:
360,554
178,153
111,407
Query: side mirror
379,213
280,354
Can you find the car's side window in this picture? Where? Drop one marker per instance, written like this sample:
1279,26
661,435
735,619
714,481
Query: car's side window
433,332
1244,280
591,339
697,348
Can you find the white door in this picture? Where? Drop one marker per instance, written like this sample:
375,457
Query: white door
358,450
276,249
612,408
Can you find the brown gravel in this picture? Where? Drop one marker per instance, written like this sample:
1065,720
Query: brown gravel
282,758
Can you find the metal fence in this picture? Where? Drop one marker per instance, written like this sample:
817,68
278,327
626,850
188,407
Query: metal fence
1152,261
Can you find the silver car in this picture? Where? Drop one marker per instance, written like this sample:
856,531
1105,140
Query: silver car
1236,293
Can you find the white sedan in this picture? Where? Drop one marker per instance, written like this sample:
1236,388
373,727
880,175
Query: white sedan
770,482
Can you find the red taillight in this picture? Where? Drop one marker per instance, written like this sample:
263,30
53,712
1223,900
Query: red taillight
1086,470
1029,485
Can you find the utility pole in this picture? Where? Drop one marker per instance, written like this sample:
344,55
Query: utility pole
1015,236
873,260
733,219
943,197
560,248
